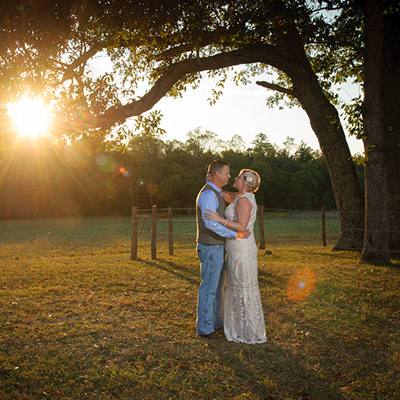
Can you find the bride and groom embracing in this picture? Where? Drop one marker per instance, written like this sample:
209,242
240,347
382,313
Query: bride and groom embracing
234,305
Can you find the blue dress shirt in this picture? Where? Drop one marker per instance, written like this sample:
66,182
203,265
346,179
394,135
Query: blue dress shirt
208,200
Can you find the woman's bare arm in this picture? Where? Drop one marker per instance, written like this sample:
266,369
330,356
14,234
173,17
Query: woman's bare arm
243,209
229,196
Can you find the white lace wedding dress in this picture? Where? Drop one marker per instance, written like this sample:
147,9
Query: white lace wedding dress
243,313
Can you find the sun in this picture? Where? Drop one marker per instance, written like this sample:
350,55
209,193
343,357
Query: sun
30,116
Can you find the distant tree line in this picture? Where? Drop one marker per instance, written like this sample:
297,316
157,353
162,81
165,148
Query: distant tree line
41,180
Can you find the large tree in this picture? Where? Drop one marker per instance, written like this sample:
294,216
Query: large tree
168,44
382,131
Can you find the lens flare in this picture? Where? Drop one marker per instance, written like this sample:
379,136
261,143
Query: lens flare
105,163
124,172
301,284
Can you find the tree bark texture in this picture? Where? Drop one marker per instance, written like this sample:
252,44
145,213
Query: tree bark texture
325,122
391,112
376,235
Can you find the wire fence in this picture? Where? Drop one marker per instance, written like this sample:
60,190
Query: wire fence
279,227
282,227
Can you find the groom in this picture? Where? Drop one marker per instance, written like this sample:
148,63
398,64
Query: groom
210,249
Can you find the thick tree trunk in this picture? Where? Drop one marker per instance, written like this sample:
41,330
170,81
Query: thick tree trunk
376,237
391,105
346,188
325,122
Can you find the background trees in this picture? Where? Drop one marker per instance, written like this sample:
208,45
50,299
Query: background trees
48,181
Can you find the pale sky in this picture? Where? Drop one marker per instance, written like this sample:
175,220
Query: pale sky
241,110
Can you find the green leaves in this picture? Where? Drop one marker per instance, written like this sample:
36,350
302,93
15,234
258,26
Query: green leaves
142,41
150,125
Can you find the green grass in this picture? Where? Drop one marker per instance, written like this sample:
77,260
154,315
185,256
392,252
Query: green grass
282,227
79,320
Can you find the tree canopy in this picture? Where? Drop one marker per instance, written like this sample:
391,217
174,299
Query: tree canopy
159,46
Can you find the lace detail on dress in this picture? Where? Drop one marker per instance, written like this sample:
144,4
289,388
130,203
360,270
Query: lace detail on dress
243,315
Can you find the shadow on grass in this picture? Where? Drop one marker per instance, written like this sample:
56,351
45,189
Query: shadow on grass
189,274
269,371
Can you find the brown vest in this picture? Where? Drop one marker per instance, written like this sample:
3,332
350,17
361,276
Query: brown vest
204,235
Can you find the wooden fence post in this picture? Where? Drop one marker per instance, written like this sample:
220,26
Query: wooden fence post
170,232
154,233
261,236
323,226
134,234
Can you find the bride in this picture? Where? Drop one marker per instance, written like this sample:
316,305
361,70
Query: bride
243,314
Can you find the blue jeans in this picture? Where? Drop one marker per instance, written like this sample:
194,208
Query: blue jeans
210,302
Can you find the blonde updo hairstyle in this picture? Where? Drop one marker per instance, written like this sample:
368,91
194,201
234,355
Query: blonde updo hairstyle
252,180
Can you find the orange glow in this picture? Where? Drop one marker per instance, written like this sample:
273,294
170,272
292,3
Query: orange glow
122,170
31,117
301,284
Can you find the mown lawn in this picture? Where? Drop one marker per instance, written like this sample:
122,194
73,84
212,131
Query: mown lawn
79,320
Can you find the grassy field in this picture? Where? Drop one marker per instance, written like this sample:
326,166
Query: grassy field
79,320
281,227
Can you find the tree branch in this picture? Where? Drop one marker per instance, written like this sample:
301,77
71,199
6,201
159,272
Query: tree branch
204,39
276,88
81,60
170,77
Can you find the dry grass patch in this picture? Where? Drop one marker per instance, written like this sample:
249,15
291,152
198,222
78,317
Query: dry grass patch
80,320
